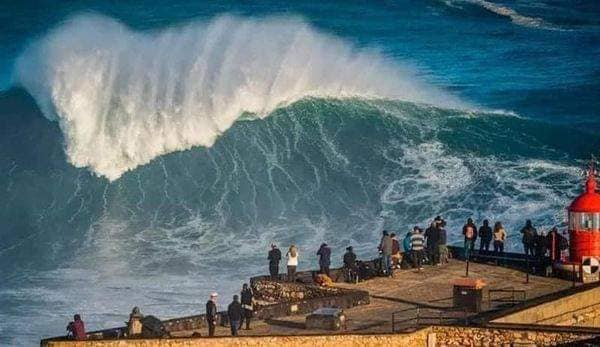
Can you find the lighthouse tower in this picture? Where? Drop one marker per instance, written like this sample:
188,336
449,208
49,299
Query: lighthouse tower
584,221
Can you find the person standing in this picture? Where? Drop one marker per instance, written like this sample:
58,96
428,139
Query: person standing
417,240
385,248
350,264
76,328
211,314
540,245
234,312
395,252
529,235
470,233
556,244
247,309
443,238
485,236
499,238
324,254
292,262
432,236
274,259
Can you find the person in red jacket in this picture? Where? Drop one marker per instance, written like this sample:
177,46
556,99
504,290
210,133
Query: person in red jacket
76,328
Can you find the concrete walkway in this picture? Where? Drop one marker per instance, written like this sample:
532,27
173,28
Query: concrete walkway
430,289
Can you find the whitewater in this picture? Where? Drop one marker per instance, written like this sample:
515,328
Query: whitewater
123,98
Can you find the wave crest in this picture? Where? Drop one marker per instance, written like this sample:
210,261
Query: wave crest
123,98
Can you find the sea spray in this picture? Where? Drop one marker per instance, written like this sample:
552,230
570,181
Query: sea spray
123,98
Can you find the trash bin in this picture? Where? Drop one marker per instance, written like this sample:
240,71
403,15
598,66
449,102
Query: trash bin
468,294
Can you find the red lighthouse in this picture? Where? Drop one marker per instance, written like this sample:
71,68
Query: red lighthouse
584,221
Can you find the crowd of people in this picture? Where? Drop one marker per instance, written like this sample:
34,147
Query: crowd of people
238,311
418,247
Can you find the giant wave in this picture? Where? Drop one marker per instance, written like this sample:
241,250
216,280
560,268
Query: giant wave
123,97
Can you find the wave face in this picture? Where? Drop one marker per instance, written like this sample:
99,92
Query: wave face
123,98
191,222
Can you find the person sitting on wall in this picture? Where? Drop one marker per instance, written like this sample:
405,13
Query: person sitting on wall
350,265
76,328
134,325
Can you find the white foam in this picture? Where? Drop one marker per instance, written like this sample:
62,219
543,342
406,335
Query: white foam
515,17
123,98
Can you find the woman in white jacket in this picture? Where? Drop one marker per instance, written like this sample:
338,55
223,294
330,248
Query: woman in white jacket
292,263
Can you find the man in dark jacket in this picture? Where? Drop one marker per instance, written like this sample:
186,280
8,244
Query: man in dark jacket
485,236
432,235
247,311
211,314
350,264
529,235
274,259
324,254
234,312
470,234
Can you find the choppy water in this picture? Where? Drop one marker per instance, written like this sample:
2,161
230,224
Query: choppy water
151,153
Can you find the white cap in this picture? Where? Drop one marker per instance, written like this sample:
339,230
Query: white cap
214,294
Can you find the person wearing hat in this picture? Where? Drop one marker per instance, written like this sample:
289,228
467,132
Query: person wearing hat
211,314
350,264
234,312
274,259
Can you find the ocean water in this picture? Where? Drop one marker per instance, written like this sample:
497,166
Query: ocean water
151,151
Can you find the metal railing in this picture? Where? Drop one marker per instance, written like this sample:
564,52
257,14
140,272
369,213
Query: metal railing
403,319
510,299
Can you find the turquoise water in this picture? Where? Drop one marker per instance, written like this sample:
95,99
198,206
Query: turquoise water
151,153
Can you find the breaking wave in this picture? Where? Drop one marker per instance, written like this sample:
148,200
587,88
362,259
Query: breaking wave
515,17
122,97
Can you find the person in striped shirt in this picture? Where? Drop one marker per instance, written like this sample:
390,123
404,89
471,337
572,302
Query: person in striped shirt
417,240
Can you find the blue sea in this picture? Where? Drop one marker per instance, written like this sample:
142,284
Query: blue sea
151,151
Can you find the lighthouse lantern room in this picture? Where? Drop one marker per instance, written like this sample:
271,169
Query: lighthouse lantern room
584,221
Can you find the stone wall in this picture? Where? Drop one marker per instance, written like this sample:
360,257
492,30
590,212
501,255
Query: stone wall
462,336
418,338
581,309
270,292
433,336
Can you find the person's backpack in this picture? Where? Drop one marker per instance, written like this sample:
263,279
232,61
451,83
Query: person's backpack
469,232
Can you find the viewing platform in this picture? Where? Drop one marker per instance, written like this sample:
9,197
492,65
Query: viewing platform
412,307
